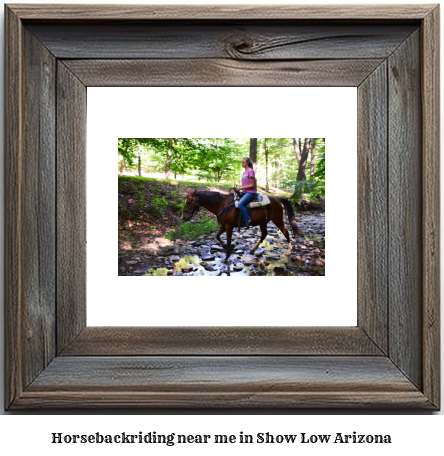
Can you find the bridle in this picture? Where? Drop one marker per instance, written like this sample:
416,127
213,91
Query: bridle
194,209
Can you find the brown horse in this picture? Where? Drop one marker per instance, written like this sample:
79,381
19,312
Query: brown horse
228,219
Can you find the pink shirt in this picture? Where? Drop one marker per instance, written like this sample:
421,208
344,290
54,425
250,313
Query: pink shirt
246,181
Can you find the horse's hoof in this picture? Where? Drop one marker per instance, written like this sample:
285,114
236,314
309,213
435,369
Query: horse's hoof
251,252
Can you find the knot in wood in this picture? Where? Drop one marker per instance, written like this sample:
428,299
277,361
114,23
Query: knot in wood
239,46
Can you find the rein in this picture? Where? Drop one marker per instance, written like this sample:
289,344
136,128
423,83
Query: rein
224,211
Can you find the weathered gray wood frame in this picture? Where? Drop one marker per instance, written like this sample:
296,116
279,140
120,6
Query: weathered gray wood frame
390,360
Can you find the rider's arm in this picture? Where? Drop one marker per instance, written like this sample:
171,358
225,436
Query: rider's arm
246,186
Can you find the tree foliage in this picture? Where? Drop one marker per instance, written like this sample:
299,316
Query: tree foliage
282,163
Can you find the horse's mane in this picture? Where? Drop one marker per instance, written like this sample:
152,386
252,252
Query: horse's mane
211,197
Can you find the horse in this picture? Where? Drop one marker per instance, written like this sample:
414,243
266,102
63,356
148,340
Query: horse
217,203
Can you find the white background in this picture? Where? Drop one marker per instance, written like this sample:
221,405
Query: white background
222,112
414,433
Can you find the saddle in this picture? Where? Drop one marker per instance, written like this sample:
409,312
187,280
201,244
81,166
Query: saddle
258,202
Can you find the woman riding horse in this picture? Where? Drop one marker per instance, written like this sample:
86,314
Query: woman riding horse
249,187
222,206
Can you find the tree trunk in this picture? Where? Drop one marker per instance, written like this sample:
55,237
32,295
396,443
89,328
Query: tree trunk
303,162
297,150
122,166
140,165
267,187
313,158
278,178
167,165
253,152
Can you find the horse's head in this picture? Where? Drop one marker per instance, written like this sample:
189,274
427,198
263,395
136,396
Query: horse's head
191,206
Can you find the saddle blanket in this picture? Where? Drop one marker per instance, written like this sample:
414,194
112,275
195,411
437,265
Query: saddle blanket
261,201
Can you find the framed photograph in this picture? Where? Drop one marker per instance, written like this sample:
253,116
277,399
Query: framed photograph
389,359
154,239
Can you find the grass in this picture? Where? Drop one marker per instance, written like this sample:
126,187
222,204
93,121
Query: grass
160,272
177,181
185,261
188,184
190,230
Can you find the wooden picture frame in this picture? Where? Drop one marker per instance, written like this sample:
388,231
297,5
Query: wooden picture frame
390,360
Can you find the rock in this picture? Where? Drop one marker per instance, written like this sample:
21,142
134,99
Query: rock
174,258
249,261
239,251
132,262
217,248
170,273
238,267
162,242
208,257
168,250
188,269
207,267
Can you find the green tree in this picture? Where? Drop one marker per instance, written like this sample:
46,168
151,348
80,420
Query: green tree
217,159
128,149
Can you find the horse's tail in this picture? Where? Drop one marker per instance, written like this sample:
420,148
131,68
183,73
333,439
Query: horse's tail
291,217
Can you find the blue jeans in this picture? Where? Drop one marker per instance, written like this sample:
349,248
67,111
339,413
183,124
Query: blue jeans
242,203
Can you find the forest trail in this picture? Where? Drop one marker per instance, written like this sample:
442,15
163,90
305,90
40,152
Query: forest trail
151,240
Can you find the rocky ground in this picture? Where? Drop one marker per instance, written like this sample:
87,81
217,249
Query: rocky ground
205,257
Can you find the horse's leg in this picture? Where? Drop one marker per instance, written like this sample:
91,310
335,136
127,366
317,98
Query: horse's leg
284,231
263,236
229,233
218,235
279,222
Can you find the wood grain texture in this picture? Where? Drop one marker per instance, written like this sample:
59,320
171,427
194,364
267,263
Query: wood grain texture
13,209
71,206
408,377
431,204
234,382
405,209
219,72
220,12
127,341
39,207
245,40
372,207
